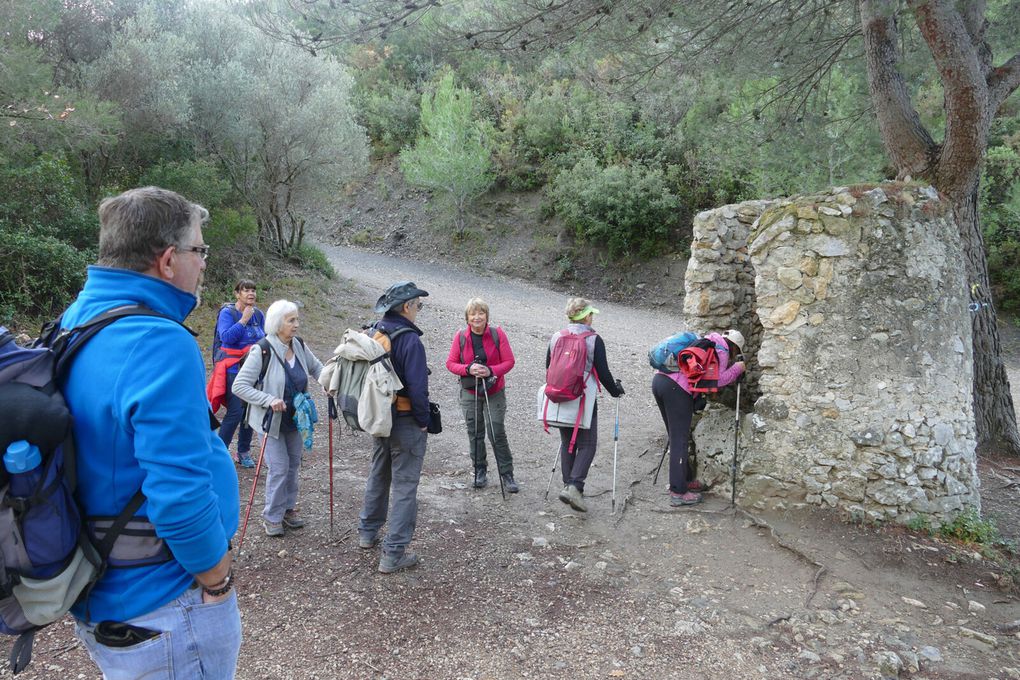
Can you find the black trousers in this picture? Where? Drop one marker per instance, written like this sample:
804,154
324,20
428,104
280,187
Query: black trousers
575,465
677,408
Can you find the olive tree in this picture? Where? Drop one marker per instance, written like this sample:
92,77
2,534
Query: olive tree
281,122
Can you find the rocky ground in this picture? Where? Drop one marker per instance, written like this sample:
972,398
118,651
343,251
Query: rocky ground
526,587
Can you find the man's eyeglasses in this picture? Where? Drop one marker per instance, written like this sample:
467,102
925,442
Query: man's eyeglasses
420,305
203,251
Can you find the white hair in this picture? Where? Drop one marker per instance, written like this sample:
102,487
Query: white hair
276,313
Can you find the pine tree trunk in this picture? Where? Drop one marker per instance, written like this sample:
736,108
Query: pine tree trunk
994,414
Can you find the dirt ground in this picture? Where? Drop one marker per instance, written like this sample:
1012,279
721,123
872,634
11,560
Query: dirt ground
527,588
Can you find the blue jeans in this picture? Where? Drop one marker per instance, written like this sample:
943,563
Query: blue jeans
396,468
233,419
198,642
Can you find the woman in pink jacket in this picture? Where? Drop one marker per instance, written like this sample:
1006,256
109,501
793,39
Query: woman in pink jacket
481,356
672,393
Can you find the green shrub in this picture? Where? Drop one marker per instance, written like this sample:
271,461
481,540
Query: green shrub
39,274
48,236
969,527
625,207
310,257
45,198
389,113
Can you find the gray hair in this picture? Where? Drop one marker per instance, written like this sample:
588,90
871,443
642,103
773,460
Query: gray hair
276,313
139,224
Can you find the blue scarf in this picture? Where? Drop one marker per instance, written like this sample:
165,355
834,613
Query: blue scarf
305,417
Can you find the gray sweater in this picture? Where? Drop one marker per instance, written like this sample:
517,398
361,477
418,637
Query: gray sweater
274,384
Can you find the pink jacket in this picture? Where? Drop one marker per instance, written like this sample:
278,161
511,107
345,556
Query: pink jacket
499,362
727,372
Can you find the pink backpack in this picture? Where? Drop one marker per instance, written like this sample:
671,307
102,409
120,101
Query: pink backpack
565,377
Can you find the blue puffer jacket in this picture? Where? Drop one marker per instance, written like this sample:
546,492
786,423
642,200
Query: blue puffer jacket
409,362
141,419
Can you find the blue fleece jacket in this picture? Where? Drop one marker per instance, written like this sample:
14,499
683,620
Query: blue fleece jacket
236,335
409,362
141,420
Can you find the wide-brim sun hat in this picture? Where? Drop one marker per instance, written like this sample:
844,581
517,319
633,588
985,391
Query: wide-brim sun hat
736,337
396,294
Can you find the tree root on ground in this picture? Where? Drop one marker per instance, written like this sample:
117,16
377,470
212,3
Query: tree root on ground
759,522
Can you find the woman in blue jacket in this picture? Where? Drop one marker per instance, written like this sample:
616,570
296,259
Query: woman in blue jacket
238,327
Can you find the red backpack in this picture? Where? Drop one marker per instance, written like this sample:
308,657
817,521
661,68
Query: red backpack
565,377
700,364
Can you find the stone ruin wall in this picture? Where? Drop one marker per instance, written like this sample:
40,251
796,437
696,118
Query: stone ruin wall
854,306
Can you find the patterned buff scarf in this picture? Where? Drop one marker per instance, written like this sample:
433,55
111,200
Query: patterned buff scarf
305,416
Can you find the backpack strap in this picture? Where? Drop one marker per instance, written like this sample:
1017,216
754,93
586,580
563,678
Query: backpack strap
66,343
263,344
462,335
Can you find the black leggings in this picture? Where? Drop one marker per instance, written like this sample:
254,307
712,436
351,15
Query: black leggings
677,408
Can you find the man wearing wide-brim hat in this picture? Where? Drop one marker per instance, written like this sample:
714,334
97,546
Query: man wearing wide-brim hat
392,487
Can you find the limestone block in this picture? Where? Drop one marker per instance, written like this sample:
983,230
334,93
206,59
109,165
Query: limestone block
827,246
887,492
785,313
837,226
809,265
790,277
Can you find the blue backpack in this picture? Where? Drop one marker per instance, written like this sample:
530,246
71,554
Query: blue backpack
663,357
49,559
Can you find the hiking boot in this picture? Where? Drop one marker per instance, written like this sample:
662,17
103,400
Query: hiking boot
391,563
367,541
274,529
481,478
292,521
572,497
696,486
679,499
509,484
245,461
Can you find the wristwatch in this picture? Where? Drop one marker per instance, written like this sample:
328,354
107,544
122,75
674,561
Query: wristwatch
224,586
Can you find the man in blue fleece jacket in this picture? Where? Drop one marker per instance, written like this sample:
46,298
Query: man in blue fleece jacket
397,460
141,421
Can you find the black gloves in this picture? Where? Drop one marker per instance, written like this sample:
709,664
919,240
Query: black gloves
619,388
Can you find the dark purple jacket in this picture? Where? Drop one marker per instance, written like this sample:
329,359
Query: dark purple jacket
409,362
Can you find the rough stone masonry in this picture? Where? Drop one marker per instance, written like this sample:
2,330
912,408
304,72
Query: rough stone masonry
855,306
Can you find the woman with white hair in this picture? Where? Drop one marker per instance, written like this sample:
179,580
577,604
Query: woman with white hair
280,405
673,394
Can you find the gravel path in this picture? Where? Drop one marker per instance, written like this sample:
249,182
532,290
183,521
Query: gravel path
527,588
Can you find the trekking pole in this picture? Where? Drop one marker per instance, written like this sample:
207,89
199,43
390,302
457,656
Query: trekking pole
552,473
332,414
474,434
616,446
492,438
736,434
255,482
662,458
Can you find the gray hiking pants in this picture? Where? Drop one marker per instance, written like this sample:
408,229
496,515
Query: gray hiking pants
396,469
487,419
283,456
575,465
